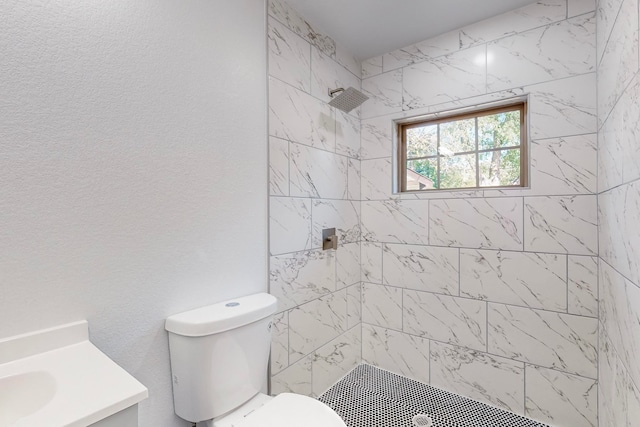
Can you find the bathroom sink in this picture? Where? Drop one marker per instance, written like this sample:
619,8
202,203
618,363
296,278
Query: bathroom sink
24,394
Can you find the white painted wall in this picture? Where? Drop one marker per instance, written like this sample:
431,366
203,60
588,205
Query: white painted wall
133,169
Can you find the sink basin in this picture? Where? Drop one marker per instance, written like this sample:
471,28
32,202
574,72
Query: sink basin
24,394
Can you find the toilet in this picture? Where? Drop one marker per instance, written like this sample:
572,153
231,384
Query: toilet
219,357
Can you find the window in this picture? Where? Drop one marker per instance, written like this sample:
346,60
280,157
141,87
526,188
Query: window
482,149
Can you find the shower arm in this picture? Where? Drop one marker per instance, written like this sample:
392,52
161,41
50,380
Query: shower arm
334,91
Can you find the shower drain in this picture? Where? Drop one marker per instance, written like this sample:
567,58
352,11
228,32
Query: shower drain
422,420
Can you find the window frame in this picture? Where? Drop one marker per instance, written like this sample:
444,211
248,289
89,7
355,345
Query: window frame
476,112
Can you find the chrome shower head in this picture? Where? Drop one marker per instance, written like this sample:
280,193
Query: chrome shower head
347,100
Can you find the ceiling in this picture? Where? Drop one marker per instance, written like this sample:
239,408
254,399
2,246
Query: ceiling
369,28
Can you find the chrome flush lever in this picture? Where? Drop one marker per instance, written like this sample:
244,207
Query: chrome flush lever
329,239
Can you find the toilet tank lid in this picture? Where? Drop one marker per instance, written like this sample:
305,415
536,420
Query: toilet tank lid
222,316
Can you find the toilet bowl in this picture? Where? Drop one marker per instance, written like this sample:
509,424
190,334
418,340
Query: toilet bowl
219,358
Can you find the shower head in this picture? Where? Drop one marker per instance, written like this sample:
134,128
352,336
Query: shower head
347,100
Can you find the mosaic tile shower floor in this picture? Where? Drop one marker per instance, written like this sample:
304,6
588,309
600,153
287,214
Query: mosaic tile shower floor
372,397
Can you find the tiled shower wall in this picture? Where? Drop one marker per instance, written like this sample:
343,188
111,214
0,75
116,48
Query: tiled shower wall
314,184
490,294
619,212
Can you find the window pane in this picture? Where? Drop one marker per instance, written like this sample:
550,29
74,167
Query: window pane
457,137
499,130
422,174
501,167
458,171
422,141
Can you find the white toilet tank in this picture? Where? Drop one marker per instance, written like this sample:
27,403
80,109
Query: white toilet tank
219,355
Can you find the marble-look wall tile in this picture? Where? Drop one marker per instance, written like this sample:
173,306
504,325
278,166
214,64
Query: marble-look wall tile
372,67
384,92
297,116
343,215
557,398
334,359
580,7
423,268
630,107
606,12
289,56
278,167
611,140
526,279
347,135
347,264
620,58
477,223
449,319
375,137
317,173
487,378
301,277
430,48
382,306
371,262
563,107
633,402
525,18
376,179
289,225
327,74
435,81
353,179
280,342
561,224
553,340
395,351
315,323
564,166
295,379
283,12
354,305
395,221
562,49
348,61
583,285
613,382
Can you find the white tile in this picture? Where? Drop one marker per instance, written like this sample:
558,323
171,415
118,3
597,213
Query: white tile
348,60
620,58
453,320
289,56
347,135
561,224
375,137
372,67
354,305
455,76
423,268
395,221
561,399
377,183
353,179
303,276
334,359
343,215
554,340
477,223
562,49
611,140
315,323
630,107
583,285
296,116
289,225
327,74
563,107
580,7
347,265
607,11
278,167
295,379
382,306
525,18
481,376
430,48
526,279
317,173
371,256
613,381
633,402
280,342
384,92
395,351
